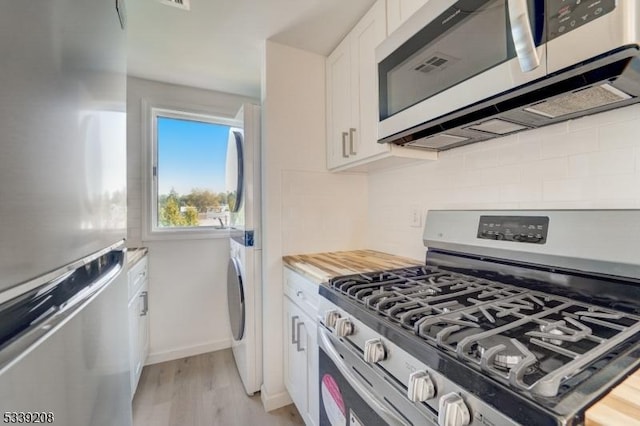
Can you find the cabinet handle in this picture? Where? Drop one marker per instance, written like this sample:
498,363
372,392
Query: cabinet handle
299,348
344,145
145,303
352,149
294,341
299,293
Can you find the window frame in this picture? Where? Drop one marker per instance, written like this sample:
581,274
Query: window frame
151,230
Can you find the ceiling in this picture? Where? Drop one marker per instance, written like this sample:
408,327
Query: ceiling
217,45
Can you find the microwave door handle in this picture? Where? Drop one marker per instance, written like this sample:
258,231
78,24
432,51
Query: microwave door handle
522,35
377,406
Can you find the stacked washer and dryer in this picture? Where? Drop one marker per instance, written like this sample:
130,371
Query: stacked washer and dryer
244,276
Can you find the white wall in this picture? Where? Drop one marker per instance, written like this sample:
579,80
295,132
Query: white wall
187,279
306,208
592,162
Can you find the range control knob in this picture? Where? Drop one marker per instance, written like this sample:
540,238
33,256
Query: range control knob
452,411
374,351
420,387
344,327
330,318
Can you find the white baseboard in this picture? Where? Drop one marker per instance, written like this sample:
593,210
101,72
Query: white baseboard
178,353
275,401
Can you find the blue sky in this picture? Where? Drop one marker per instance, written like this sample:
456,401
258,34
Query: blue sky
191,154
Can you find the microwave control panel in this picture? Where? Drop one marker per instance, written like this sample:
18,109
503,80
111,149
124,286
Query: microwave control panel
518,229
567,15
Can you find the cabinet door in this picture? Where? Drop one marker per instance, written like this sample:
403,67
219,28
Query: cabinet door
338,100
313,397
134,339
143,324
370,31
296,368
138,333
399,11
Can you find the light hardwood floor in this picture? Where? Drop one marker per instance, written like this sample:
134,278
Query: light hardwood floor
203,390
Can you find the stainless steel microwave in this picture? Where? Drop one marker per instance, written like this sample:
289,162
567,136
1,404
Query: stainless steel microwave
463,71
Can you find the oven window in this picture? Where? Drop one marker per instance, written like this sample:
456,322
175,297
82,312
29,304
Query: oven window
467,39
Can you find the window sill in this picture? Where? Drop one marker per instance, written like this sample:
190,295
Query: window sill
182,234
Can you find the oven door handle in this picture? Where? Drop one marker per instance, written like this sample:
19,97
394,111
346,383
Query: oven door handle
378,406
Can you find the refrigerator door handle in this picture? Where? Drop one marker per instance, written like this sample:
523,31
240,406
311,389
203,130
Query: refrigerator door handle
31,317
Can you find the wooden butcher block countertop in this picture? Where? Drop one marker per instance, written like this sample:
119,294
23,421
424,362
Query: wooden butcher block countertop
620,407
319,267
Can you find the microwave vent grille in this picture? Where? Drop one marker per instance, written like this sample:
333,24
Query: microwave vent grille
437,62
180,4
580,100
440,141
497,126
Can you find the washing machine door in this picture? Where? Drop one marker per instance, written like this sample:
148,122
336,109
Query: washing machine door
235,298
234,169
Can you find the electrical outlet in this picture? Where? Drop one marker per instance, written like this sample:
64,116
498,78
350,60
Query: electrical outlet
415,218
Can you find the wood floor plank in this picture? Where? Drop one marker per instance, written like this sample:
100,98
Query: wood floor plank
203,390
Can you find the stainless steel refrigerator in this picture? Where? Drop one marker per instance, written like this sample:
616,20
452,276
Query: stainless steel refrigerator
63,293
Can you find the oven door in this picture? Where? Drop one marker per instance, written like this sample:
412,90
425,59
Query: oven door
354,393
454,53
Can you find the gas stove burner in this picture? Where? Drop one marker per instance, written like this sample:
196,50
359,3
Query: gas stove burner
506,358
552,329
429,292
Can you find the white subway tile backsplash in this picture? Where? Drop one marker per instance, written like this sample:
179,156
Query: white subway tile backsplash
617,115
568,190
448,163
563,144
618,187
589,163
541,170
500,175
466,178
602,163
543,133
482,159
579,166
588,122
322,211
477,194
134,214
521,192
520,151
619,135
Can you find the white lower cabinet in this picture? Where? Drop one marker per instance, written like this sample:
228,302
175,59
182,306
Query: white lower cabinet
301,345
138,320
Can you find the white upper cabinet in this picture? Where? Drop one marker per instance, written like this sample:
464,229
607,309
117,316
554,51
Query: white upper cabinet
365,37
399,11
339,104
352,99
352,95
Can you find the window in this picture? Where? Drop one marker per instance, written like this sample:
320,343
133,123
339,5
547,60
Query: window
189,156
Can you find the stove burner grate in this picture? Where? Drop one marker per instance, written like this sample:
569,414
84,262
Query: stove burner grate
532,340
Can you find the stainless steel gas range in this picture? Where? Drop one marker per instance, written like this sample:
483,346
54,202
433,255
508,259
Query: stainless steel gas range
517,317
